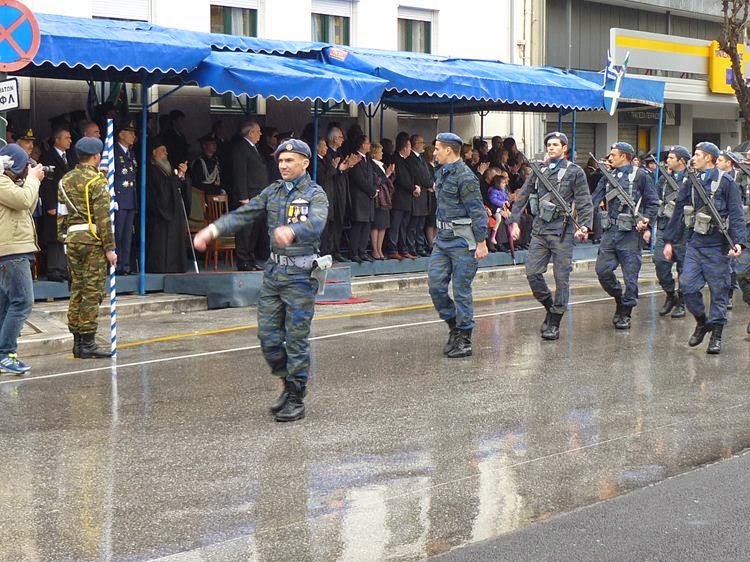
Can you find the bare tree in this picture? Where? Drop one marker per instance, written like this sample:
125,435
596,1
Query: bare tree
733,34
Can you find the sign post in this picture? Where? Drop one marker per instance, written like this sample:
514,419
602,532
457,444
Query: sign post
19,42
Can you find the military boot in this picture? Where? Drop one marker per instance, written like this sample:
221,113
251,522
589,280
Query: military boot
618,310
714,344
76,345
624,322
548,302
748,327
730,302
552,331
462,345
294,407
452,333
701,329
280,401
87,348
679,308
669,303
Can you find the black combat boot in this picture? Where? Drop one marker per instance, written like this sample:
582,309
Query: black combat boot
76,345
87,348
714,344
552,331
462,345
624,322
548,302
669,303
701,329
452,333
730,303
294,407
679,308
280,401
618,310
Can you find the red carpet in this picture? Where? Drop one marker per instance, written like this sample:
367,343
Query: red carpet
351,300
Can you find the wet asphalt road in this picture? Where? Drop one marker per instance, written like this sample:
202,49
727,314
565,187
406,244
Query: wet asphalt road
404,454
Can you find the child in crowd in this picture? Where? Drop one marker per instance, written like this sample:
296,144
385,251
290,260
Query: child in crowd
498,196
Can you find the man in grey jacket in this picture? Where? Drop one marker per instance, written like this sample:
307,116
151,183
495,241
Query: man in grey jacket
19,191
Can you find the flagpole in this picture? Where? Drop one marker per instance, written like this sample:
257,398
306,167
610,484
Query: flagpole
109,151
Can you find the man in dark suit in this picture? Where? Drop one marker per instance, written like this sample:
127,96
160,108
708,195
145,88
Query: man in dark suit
249,178
174,137
125,195
61,157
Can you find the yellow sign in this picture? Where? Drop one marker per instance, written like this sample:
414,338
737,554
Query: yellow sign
720,68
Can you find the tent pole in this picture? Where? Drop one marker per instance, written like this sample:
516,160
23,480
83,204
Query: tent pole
573,135
450,120
381,122
559,120
481,124
314,148
370,112
142,210
658,156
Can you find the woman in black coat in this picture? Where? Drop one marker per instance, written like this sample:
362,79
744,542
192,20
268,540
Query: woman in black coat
362,193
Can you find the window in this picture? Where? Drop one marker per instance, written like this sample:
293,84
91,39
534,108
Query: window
331,29
233,21
414,36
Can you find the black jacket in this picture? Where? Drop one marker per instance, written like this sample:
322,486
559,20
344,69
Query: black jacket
249,172
404,183
422,177
48,190
362,191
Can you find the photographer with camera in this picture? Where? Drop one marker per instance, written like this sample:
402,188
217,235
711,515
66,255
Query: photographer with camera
19,191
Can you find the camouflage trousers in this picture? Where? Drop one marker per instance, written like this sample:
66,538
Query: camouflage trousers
452,261
544,247
88,271
285,310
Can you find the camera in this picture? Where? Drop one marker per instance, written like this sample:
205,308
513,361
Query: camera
48,169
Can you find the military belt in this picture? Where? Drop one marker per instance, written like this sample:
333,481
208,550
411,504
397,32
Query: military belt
80,228
445,225
301,262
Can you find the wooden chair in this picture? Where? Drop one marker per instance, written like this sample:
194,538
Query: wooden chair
216,206
197,218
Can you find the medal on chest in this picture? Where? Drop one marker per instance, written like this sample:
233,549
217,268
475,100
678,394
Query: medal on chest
298,211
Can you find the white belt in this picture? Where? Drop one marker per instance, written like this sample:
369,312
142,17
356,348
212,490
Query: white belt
80,228
302,262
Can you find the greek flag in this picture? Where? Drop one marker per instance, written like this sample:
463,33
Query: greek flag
613,77
610,73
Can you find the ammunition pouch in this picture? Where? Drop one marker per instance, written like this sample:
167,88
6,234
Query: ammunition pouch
689,217
604,219
669,209
703,223
548,210
534,204
625,222
462,229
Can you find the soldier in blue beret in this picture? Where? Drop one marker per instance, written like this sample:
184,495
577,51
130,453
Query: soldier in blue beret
623,228
460,244
553,233
296,209
726,163
125,194
742,264
708,255
668,190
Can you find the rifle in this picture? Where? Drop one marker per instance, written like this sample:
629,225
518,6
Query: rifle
670,180
709,203
622,195
559,199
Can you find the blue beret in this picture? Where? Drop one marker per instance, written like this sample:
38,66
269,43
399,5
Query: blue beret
708,148
556,135
733,156
293,145
89,146
18,155
625,147
681,152
449,138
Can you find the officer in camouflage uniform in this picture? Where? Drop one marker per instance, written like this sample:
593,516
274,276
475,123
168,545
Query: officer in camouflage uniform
675,302
708,256
742,263
84,226
553,232
621,240
460,244
296,210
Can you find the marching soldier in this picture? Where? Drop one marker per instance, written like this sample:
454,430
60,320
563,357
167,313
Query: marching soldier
125,195
553,230
708,255
85,228
668,191
460,244
296,209
727,162
742,263
623,227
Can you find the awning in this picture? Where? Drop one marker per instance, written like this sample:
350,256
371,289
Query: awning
429,84
634,92
284,77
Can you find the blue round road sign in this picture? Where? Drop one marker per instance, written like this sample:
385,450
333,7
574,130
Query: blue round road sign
19,35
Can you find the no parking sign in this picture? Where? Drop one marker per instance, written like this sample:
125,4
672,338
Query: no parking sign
19,35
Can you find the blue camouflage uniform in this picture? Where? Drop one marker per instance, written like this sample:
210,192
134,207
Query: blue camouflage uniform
623,247
742,263
554,238
287,296
127,203
458,199
706,259
663,266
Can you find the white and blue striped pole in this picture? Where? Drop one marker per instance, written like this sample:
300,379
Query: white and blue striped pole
109,155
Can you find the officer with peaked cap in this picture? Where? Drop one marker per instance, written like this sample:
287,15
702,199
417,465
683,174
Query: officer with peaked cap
623,228
26,141
85,227
460,243
553,232
677,160
296,209
125,194
708,255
